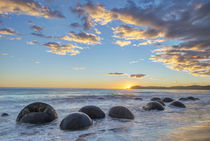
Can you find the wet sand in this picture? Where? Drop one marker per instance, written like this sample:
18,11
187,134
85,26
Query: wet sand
198,132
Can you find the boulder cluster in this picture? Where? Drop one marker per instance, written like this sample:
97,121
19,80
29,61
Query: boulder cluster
41,113
158,103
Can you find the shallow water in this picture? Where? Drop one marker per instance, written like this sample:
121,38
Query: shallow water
147,125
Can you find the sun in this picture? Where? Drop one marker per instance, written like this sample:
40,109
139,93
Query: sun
128,86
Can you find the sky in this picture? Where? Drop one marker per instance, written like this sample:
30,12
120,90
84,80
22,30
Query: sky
104,44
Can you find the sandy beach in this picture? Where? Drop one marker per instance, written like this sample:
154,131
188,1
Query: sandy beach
197,132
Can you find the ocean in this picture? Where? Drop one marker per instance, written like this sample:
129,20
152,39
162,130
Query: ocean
147,125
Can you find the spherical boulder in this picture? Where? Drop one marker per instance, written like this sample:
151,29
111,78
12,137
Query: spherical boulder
76,121
155,99
138,98
167,99
37,113
192,98
93,112
177,104
161,102
183,99
4,114
120,112
153,106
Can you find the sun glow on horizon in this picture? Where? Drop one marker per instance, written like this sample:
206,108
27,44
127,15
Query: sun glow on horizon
128,86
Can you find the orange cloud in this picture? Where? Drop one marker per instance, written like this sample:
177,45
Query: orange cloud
82,37
28,7
192,57
59,49
130,33
122,43
7,31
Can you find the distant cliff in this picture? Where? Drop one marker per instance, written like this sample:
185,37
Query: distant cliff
192,87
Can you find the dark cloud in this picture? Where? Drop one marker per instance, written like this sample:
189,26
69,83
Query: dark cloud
76,25
82,37
37,28
41,35
116,73
139,76
7,31
87,23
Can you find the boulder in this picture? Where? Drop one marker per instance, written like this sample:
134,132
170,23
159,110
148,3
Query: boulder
154,105
93,112
183,99
177,104
120,112
76,121
188,98
167,99
192,98
155,99
4,114
37,113
161,102
138,98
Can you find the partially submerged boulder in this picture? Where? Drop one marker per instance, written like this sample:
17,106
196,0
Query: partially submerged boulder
120,112
177,104
155,99
138,98
154,105
161,102
167,99
93,112
4,114
76,121
183,99
190,98
37,113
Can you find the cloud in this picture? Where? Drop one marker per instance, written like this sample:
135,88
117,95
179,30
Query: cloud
59,49
148,42
82,37
33,42
97,31
135,61
75,25
7,31
41,35
36,62
3,53
187,22
139,76
116,73
131,33
37,28
28,7
78,68
192,57
122,43
87,23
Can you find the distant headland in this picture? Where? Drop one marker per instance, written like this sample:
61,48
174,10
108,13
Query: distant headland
192,87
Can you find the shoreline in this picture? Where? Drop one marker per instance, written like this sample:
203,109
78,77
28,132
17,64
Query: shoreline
196,132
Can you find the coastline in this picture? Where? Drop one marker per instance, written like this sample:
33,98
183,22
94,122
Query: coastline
196,132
